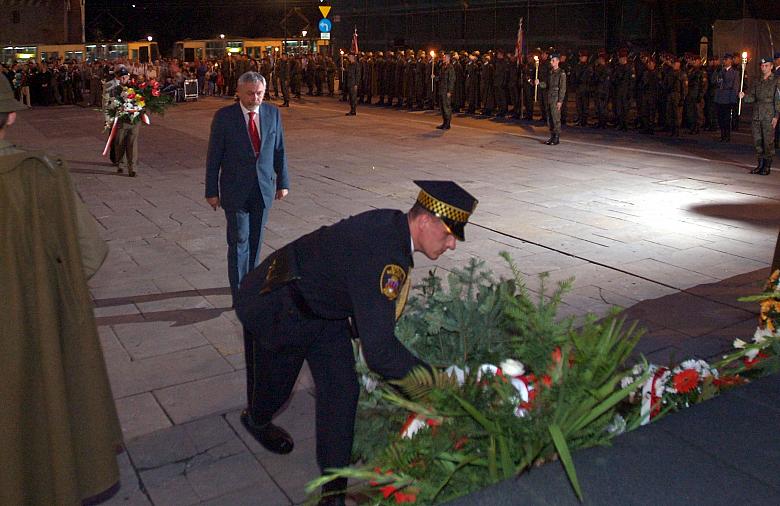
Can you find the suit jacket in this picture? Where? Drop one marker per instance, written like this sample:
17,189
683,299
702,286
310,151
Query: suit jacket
231,165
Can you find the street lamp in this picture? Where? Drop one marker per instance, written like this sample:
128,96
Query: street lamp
304,32
221,35
119,40
149,38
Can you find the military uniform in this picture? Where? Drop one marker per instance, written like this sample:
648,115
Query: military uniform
446,87
298,303
602,85
353,82
472,85
623,81
500,81
486,84
694,101
283,75
676,87
649,87
765,94
582,78
554,91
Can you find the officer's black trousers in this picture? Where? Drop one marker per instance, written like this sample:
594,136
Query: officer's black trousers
279,334
724,120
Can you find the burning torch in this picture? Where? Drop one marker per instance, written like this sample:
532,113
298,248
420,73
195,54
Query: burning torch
742,82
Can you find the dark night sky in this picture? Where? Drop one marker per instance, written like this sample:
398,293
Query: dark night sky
171,20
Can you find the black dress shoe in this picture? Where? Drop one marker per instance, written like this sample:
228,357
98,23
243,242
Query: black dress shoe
273,438
442,126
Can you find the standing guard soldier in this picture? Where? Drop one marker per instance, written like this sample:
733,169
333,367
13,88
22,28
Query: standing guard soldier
296,76
697,89
330,69
648,97
500,82
423,83
513,83
710,111
410,76
602,85
353,82
765,94
446,87
727,83
527,76
544,73
663,96
565,65
777,128
676,87
554,88
321,74
381,84
283,75
302,301
581,80
460,81
487,80
400,69
472,84
623,79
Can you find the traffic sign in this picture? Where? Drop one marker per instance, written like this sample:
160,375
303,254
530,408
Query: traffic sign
325,10
325,25
325,36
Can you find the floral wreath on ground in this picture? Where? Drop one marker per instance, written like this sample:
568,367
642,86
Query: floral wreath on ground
460,428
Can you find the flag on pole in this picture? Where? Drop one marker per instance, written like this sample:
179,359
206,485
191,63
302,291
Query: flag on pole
519,42
354,43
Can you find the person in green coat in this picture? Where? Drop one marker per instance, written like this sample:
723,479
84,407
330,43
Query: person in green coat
765,94
553,87
446,87
59,431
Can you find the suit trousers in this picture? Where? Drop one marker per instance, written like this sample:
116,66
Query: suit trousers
279,334
245,227
724,120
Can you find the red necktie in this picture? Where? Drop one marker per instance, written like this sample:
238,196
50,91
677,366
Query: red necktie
253,134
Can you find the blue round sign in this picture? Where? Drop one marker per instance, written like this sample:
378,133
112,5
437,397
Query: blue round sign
325,25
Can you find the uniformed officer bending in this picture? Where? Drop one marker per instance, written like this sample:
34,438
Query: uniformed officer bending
296,306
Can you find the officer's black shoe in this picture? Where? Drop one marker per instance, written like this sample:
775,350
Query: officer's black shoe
274,439
766,170
119,170
550,140
131,173
556,140
759,167
442,126
351,113
286,104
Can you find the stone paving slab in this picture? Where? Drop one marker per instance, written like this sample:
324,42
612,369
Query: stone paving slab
631,218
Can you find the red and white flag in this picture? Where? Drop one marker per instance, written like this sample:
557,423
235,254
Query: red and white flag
519,42
354,43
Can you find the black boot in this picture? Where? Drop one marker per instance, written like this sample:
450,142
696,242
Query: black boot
759,167
447,125
556,140
767,166
442,126
549,141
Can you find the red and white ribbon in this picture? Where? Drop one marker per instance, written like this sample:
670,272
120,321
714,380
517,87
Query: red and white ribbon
111,137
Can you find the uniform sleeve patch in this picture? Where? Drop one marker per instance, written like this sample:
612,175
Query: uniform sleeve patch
391,281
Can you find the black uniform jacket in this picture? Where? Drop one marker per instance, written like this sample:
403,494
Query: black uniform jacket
355,268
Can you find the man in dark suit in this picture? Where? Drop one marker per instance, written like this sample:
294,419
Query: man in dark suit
299,303
246,169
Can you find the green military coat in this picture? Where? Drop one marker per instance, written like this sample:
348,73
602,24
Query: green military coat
59,431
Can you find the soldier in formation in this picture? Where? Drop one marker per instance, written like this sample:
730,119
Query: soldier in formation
765,94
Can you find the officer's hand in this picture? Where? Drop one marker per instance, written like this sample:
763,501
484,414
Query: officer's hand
280,194
558,106
536,82
741,94
213,202
774,122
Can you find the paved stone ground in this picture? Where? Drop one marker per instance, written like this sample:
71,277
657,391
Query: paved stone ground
631,218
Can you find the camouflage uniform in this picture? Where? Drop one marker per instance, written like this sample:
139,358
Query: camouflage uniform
765,94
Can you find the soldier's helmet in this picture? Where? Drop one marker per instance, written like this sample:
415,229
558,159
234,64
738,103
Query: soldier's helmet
623,53
476,53
380,53
584,52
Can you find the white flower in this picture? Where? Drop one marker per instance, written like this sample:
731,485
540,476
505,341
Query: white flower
761,334
752,353
617,426
739,343
369,383
521,388
486,369
413,427
460,374
520,412
512,367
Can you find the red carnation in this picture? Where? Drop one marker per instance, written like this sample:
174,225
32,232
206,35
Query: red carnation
685,381
547,380
460,443
401,497
155,92
750,363
142,85
388,490
557,356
